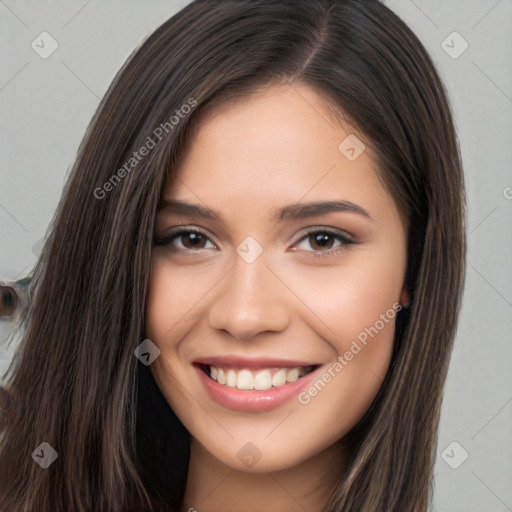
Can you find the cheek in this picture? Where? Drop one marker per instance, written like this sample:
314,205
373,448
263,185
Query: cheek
365,313
173,293
354,306
171,296
364,327
162,310
346,298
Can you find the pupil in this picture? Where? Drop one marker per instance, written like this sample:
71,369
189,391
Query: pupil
322,240
193,239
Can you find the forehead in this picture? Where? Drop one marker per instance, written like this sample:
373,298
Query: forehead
279,146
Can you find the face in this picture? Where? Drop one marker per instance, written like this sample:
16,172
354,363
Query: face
277,271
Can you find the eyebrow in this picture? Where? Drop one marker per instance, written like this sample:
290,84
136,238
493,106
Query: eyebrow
293,211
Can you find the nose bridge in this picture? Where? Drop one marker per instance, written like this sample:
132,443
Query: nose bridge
250,301
250,281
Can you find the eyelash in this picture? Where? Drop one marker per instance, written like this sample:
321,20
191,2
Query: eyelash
166,240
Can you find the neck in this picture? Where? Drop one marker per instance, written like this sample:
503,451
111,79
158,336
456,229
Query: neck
212,486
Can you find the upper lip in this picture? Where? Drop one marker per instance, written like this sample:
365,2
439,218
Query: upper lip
252,362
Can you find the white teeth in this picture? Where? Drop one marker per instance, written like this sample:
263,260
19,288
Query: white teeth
245,380
231,378
260,380
292,375
263,380
279,379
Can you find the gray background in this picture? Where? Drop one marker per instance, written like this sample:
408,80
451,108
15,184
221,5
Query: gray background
46,105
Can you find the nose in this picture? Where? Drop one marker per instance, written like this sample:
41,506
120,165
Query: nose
250,301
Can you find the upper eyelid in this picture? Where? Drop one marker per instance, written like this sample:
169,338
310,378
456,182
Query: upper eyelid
320,229
181,229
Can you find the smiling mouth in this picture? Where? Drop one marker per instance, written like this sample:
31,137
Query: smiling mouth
259,380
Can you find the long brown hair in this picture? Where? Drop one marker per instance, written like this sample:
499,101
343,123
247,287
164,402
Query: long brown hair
74,379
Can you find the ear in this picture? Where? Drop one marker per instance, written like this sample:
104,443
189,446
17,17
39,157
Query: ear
405,296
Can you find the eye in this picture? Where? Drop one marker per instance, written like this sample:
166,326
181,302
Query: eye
318,241
186,239
323,241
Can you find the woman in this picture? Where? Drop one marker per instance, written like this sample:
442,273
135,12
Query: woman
268,213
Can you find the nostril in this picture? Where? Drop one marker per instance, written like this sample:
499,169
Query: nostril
8,301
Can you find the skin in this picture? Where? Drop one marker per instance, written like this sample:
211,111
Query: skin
298,300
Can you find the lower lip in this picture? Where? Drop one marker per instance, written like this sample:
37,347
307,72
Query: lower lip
253,400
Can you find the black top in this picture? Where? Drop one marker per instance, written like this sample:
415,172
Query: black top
163,444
